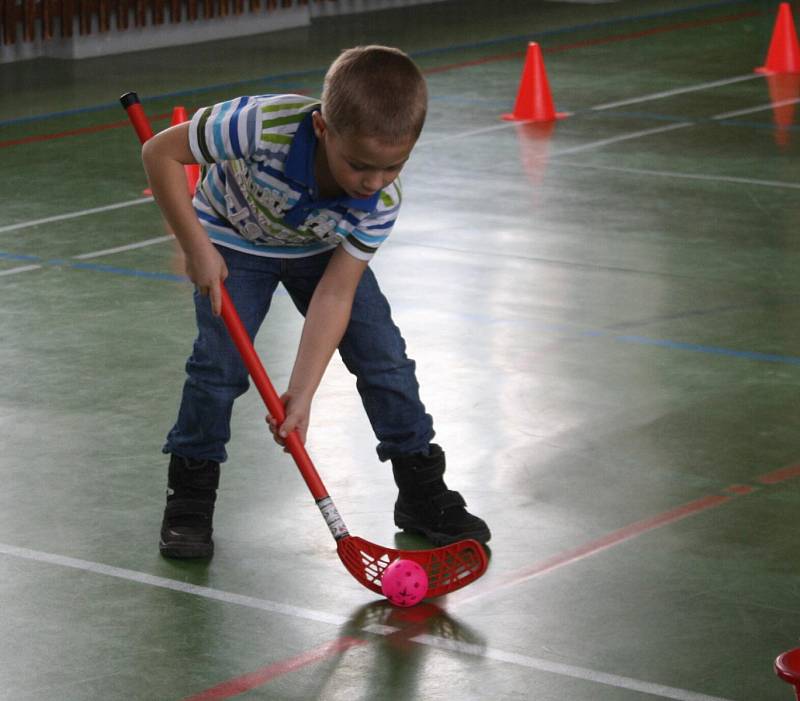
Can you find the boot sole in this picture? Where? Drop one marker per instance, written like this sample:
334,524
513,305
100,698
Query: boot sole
185,551
439,539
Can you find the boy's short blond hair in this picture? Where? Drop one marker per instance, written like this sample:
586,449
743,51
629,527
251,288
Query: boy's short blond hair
375,91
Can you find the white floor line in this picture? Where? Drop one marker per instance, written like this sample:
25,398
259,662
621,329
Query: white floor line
93,254
759,108
677,91
74,215
553,157
686,176
463,135
174,585
121,249
339,621
617,139
20,269
564,670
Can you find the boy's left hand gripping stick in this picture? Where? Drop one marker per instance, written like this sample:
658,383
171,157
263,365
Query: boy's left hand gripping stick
130,102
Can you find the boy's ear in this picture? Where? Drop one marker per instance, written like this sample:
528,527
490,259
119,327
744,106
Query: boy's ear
318,122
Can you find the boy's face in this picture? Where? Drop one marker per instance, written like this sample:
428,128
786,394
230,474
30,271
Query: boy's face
359,166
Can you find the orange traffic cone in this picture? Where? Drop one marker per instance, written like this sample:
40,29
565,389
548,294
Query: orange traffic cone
534,101
784,51
178,116
192,170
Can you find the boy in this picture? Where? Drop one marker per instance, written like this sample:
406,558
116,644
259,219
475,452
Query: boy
301,193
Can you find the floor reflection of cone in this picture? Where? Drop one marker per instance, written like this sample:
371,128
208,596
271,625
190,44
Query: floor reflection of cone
534,148
784,92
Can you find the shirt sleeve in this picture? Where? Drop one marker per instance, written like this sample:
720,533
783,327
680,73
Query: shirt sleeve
364,239
226,131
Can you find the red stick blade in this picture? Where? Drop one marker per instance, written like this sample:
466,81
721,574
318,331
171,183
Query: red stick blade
448,568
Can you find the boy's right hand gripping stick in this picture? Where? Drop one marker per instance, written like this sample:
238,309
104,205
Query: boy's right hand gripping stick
130,102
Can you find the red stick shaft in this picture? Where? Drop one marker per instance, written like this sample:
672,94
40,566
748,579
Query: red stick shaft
130,101
140,123
271,399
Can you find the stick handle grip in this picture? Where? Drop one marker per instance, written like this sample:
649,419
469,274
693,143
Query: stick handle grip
244,345
130,102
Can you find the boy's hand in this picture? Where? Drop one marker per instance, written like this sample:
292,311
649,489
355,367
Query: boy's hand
207,270
298,414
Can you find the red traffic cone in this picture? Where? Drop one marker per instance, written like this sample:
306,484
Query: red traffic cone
192,170
534,101
178,116
784,51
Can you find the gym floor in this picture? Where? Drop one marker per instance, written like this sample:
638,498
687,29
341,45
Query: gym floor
605,314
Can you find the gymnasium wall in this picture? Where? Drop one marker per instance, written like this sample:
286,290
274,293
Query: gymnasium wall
76,29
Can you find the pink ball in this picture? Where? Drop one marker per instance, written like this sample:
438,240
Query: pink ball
404,583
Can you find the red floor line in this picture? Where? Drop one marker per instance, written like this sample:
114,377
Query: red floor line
72,132
695,24
628,36
494,58
631,531
252,680
441,69
740,489
604,543
260,677
777,476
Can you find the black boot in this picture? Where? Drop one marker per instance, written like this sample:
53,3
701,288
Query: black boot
191,493
425,504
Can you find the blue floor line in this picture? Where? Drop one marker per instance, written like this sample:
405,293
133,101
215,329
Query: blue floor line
556,328
575,28
713,350
116,270
19,256
767,125
416,54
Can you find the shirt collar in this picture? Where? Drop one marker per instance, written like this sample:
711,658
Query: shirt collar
299,167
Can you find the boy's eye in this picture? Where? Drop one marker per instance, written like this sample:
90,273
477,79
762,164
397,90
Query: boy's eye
359,167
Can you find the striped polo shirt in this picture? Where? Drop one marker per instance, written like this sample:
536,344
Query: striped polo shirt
258,193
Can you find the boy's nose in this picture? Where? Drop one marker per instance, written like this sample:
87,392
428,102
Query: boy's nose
372,182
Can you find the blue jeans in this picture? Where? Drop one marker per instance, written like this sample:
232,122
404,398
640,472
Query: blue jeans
372,349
